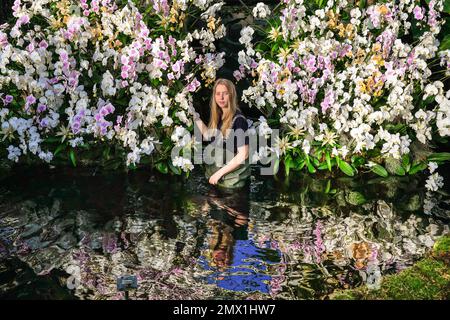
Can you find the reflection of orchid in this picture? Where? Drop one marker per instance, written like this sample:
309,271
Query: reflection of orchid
301,249
349,241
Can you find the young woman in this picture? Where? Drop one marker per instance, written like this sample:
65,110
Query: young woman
231,125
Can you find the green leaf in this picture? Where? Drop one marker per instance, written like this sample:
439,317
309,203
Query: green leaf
355,198
418,167
311,168
427,101
328,159
320,3
323,166
319,153
338,161
400,171
106,152
72,157
176,170
394,166
441,156
358,161
299,163
328,187
379,170
112,164
395,128
445,44
288,164
162,167
315,161
59,149
346,168
274,48
447,7
276,166
406,162
53,139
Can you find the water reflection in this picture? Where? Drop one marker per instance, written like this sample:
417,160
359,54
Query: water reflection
236,262
74,234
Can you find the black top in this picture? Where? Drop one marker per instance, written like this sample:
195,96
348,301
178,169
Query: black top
238,133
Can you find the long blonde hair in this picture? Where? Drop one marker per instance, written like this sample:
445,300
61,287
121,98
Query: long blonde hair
216,111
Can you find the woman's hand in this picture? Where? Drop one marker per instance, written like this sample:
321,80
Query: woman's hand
230,166
196,116
214,179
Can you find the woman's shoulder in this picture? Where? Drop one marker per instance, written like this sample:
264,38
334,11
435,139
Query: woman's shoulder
239,115
240,121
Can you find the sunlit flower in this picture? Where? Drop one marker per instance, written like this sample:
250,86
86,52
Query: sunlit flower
282,145
274,34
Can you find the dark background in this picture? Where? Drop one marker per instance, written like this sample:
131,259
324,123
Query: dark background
5,10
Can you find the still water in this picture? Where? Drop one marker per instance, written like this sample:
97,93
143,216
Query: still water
69,234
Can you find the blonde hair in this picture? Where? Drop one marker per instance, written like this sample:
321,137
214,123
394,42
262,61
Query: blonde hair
216,111
221,241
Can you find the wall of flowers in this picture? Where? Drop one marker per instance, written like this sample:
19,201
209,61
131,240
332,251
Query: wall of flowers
106,81
354,86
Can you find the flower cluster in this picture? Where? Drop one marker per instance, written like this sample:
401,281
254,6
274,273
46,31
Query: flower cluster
104,72
348,82
434,181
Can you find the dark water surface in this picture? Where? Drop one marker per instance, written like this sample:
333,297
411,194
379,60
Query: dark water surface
69,234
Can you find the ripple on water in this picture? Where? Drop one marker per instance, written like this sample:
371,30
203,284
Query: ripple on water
186,240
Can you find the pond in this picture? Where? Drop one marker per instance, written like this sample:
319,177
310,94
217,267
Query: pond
70,234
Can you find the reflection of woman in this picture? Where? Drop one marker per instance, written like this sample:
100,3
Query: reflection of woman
230,211
221,245
230,138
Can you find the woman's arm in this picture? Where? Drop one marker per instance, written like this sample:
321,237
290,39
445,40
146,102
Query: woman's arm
238,159
201,125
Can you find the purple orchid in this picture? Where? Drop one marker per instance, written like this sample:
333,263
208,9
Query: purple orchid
327,101
43,44
319,247
41,108
310,64
191,87
25,19
8,99
3,40
419,13
30,100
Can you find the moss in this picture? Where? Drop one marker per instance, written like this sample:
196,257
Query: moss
347,295
428,279
442,245
412,283
435,271
441,249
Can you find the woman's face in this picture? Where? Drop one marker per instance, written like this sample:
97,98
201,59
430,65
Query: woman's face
222,96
